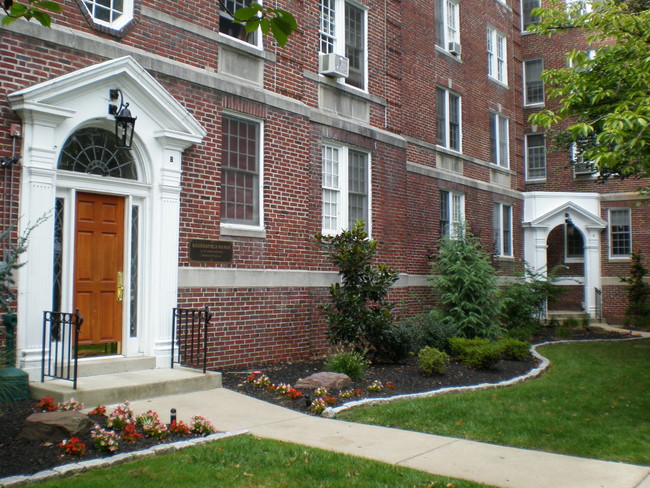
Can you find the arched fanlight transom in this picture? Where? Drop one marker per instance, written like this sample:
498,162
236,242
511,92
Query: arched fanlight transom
94,151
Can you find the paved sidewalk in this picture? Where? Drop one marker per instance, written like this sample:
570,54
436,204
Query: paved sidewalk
494,465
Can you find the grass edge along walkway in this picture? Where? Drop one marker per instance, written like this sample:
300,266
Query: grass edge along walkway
245,461
591,402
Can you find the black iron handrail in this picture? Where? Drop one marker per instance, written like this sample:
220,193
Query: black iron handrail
599,303
60,346
190,337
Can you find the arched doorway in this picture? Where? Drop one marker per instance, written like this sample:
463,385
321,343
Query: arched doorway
565,258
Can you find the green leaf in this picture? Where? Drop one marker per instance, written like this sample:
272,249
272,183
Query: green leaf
49,5
43,18
18,10
252,26
279,32
245,14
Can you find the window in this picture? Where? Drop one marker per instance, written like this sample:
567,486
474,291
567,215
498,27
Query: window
502,216
114,14
535,157
343,31
527,7
346,186
452,213
240,171
499,140
580,166
229,27
574,244
448,119
447,25
496,51
533,84
620,232
576,8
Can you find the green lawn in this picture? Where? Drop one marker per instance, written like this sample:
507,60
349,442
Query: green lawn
594,401
246,462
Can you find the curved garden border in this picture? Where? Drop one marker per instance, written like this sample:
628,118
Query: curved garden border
331,412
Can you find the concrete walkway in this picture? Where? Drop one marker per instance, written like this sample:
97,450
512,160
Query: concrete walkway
494,465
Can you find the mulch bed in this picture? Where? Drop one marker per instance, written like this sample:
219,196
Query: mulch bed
21,456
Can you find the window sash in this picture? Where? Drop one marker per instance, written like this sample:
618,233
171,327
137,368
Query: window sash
446,23
229,27
535,157
355,44
503,229
496,54
528,17
452,213
327,29
345,186
448,119
499,140
620,232
240,166
533,84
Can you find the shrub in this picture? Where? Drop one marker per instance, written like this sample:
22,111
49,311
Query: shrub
430,329
349,362
637,313
359,313
477,353
394,344
514,349
466,282
432,361
571,323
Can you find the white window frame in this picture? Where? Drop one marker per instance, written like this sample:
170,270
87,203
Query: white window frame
259,226
256,37
447,121
499,140
628,213
448,23
568,258
122,20
527,81
533,19
503,238
581,169
452,212
335,188
528,147
584,6
332,34
497,55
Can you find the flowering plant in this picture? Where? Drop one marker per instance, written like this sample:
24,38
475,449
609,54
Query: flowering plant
179,427
283,389
130,435
71,405
330,400
120,417
105,440
294,394
389,385
47,404
262,381
201,425
376,386
98,410
252,376
317,406
151,424
319,392
73,446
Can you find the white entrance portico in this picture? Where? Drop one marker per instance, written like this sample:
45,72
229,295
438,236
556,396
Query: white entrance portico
67,117
544,211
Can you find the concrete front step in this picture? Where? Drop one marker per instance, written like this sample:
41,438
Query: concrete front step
114,364
108,389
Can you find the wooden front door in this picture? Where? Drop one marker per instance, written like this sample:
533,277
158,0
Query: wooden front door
98,267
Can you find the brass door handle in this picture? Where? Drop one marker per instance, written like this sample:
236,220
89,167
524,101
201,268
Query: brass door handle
120,286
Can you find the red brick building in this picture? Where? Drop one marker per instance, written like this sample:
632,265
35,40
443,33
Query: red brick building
409,115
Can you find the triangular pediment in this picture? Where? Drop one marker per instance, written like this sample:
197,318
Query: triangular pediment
83,95
578,215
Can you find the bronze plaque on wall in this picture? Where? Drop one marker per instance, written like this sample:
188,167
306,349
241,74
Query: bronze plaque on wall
210,251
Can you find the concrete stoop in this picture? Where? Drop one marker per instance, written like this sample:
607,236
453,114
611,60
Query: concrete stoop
94,388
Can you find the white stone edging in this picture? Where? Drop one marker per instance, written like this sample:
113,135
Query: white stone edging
331,412
73,468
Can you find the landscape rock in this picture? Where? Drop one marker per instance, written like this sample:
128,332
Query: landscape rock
55,426
329,381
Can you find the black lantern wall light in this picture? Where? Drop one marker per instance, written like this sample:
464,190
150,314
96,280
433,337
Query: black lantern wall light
124,121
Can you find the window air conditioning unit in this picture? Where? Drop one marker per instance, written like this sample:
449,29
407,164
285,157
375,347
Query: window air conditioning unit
334,65
454,48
